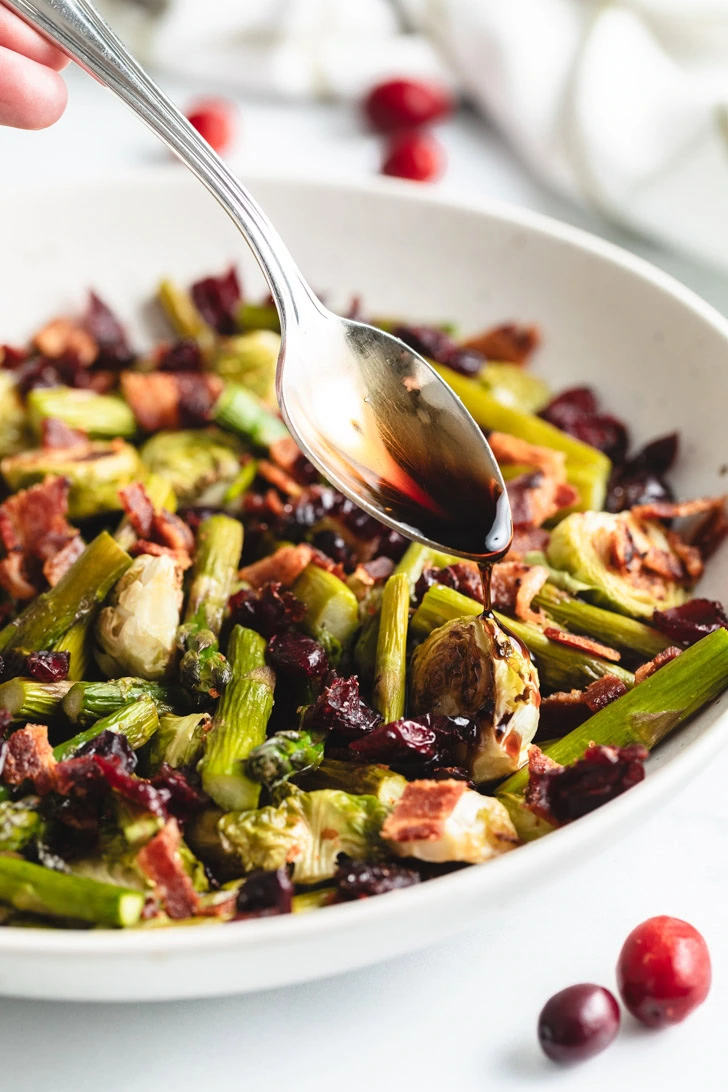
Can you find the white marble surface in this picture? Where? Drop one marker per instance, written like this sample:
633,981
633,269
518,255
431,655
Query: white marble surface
461,1015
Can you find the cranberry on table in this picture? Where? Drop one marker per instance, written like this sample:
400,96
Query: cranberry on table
577,1023
406,104
663,971
415,156
213,120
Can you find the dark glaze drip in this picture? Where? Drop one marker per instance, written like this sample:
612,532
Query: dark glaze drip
486,570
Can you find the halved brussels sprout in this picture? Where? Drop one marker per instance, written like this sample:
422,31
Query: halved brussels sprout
199,464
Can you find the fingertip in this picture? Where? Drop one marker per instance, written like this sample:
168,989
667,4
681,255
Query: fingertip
49,108
31,95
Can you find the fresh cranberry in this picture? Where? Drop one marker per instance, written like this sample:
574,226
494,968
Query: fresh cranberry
577,1023
415,156
663,971
405,104
213,120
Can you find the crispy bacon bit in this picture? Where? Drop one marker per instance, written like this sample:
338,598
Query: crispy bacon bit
33,530
665,510
169,530
29,757
514,586
58,565
691,621
283,567
508,342
285,453
63,338
279,478
138,508
582,644
565,710
159,532
463,578
217,299
527,540
161,862
107,332
539,495
56,434
422,811
560,794
138,791
170,400
665,657
143,546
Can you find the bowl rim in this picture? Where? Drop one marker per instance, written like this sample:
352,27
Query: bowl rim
532,859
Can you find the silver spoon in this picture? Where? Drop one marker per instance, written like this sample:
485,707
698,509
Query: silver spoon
373,417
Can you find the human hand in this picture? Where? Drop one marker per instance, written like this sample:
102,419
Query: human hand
32,94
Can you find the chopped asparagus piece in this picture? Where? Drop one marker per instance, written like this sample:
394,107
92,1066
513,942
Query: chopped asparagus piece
391,660
78,641
258,316
76,595
283,756
239,724
239,411
612,629
138,721
87,702
185,319
34,889
100,416
515,386
379,781
332,609
28,700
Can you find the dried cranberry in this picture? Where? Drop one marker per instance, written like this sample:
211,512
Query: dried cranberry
691,621
268,610
185,795
297,657
563,793
428,341
139,792
334,547
416,156
625,490
360,879
657,457
108,333
213,120
11,357
111,745
664,971
463,578
308,510
48,667
415,744
180,356
577,1023
603,432
217,299
193,517
392,544
265,893
570,406
406,104
340,709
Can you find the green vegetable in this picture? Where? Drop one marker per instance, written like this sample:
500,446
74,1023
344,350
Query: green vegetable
582,545
240,411
138,721
101,416
78,642
76,595
258,316
185,319
332,609
87,702
34,889
13,424
250,360
20,824
283,756
219,546
513,385
308,829
199,464
180,740
612,629
240,723
353,777
471,668
28,700
391,658
137,631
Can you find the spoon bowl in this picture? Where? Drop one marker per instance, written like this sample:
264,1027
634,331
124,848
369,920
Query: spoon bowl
372,416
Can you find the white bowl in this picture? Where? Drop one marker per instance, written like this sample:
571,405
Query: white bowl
654,351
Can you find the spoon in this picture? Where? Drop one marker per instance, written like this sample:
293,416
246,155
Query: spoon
373,417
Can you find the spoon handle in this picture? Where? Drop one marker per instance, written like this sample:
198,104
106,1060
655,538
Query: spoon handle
78,29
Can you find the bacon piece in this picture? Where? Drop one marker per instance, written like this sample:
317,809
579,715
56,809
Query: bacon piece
513,451
323,561
282,567
161,862
663,510
58,565
63,338
162,530
582,644
29,757
508,342
57,434
279,478
665,657
560,794
534,496
143,546
285,453
33,529
169,530
690,556
514,585
422,811
528,540
138,508
170,400
565,710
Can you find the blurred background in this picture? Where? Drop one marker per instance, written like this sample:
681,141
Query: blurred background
612,115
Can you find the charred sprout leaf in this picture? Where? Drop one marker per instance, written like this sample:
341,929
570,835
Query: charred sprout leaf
137,631
199,464
604,551
283,756
472,668
308,829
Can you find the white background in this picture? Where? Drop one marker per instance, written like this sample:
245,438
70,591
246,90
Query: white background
462,1015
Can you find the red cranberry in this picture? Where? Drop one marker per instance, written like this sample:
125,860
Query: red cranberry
577,1023
405,104
416,156
213,120
663,971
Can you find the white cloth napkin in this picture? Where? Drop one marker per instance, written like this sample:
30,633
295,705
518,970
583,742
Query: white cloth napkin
623,104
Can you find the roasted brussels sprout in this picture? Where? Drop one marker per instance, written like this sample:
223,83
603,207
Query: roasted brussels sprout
250,359
199,464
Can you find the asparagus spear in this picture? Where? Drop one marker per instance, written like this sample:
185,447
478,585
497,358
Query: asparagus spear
312,900
391,661
38,890
161,494
239,724
283,756
587,469
138,721
359,779
180,740
615,630
183,315
86,702
76,595
28,700
100,416
240,411
365,649
650,711
332,610
258,316
78,641
219,546
560,668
